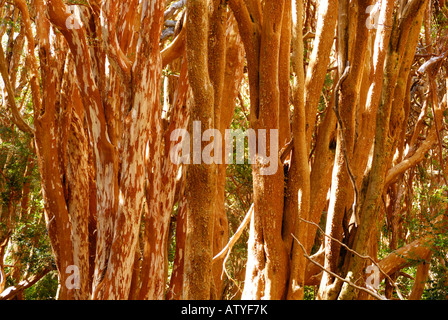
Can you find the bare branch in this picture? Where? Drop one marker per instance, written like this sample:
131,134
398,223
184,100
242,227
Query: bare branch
372,293
235,237
359,255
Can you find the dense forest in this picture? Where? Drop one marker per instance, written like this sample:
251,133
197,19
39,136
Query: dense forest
224,150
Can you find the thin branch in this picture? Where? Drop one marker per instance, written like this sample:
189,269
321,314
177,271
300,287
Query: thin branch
238,186
117,57
286,150
228,248
235,237
32,61
435,102
372,293
358,254
224,270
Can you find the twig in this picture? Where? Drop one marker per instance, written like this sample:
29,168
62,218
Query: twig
404,274
372,293
238,186
359,255
224,270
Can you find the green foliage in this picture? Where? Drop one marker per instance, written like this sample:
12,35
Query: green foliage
14,154
45,289
430,199
172,245
310,293
30,250
437,284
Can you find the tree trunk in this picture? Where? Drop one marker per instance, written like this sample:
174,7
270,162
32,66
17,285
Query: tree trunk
370,200
266,273
201,177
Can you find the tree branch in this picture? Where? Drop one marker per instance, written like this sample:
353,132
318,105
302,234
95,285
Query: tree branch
34,67
12,291
359,255
235,237
119,60
16,117
343,143
175,49
372,293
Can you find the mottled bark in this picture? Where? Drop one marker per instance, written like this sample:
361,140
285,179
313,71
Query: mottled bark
266,272
161,200
143,117
104,153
